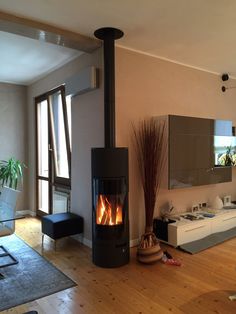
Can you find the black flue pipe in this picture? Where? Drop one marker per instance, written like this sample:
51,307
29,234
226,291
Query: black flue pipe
109,35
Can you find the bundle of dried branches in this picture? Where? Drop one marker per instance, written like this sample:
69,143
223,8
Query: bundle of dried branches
151,154
148,240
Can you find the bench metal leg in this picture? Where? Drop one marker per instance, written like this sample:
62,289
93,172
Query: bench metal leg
55,242
5,254
42,238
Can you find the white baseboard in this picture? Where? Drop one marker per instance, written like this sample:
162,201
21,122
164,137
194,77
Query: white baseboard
32,213
83,240
26,212
80,238
133,242
88,242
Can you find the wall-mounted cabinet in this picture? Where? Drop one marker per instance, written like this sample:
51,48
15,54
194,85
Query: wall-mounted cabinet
191,152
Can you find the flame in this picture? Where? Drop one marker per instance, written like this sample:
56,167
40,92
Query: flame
108,213
118,215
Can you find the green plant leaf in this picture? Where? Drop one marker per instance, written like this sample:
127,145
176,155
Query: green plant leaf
10,172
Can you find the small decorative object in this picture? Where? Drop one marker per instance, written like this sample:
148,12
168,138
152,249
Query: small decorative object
217,203
149,144
232,297
166,211
169,260
227,200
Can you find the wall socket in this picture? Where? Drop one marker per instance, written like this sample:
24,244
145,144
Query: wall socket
195,208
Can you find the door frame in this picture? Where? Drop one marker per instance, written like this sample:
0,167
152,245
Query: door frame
52,180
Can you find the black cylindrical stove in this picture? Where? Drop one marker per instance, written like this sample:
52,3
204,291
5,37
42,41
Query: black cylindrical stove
110,218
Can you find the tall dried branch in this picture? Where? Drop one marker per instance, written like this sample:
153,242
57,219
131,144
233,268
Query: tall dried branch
150,149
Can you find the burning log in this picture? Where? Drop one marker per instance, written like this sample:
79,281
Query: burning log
104,218
109,212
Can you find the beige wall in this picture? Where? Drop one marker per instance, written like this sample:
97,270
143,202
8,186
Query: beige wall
13,133
147,86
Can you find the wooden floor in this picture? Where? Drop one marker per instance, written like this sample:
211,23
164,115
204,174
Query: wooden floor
201,285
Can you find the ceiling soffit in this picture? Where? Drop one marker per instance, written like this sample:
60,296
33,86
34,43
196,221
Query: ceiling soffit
47,33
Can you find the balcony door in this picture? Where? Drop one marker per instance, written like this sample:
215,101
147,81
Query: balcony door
53,152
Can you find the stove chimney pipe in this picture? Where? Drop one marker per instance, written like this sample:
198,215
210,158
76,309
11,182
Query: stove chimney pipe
109,35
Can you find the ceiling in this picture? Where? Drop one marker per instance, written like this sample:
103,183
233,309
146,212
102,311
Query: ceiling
24,60
199,33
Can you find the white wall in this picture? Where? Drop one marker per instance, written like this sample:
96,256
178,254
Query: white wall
13,130
87,132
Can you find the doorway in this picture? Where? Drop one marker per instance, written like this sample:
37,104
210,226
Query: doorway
53,152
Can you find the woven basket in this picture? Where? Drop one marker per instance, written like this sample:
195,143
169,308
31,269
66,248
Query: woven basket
149,254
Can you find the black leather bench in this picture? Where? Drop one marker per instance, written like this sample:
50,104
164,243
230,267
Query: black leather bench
61,225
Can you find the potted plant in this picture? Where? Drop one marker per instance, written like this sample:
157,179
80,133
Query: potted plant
227,159
11,171
150,146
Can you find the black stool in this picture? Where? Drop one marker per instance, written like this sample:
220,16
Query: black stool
61,225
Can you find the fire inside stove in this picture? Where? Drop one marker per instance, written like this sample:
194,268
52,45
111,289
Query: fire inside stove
109,210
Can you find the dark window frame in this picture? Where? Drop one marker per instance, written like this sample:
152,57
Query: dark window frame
53,179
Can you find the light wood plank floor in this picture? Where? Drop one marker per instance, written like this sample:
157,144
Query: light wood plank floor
201,285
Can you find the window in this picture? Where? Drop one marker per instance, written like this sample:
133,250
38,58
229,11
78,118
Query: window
53,134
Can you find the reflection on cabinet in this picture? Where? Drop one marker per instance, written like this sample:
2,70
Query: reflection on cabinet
191,151
224,222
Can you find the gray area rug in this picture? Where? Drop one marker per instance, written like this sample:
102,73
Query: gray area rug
32,278
209,241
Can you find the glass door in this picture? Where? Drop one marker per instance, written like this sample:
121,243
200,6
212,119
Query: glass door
60,137
43,168
53,152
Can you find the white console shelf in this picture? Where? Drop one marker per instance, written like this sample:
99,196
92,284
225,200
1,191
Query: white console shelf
184,230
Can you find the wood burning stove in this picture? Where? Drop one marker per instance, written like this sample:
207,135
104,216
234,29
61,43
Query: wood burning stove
110,219
110,207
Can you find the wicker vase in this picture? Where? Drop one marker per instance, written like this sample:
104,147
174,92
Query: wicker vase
149,250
